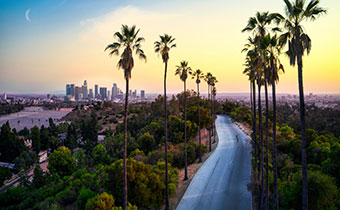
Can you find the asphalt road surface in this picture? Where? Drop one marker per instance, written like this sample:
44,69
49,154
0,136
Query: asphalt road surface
221,182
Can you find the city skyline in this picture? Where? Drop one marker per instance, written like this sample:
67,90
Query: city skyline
78,32
74,92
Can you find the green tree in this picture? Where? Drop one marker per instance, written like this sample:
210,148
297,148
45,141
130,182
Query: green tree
163,47
322,192
71,138
299,43
84,195
61,162
183,70
102,201
35,136
129,40
146,142
53,142
10,145
44,137
5,174
80,158
100,155
38,177
145,186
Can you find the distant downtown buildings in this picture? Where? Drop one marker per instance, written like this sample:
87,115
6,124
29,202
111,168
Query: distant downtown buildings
77,93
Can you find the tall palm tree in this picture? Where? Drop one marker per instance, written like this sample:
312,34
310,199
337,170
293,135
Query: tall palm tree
275,67
127,39
251,68
198,75
263,46
207,79
163,47
213,82
259,25
214,92
298,43
182,70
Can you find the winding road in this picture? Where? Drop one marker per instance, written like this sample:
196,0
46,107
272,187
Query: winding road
221,182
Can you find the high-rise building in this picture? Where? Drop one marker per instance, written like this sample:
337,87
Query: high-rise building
78,93
134,94
5,96
114,91
96,91
108,95
84,90
142,94
72,90
91,93
68,89
103,92
130,93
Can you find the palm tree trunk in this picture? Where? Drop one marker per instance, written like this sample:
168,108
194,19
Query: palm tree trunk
199,124
209,130
166,140
303,137
125,143
185,133
213,111
266,145
250,95
255,127
276,200
261,140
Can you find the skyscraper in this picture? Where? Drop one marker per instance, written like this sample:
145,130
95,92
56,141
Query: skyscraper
72,90
114,91
142,94
84,90
103,92
134,94
108,95
78,93
68,89
91,93
95,91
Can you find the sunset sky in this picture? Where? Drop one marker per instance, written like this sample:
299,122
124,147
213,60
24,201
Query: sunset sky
64,42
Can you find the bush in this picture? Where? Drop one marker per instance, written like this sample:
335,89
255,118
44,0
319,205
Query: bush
84,195
322,192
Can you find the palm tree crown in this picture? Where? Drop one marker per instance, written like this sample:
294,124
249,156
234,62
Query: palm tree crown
182,70
198,75
259,23
298,41
129,40
164,45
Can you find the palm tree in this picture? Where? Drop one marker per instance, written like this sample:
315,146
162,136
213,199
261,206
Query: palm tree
214,108
275,67
213,81
163,47
127,39
259,25
198,75
182,70
207,79
298,43
251,68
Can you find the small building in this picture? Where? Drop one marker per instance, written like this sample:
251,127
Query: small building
43,156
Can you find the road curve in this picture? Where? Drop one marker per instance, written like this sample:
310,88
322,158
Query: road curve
221,182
